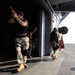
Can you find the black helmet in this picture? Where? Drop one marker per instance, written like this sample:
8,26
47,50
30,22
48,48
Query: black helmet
54,29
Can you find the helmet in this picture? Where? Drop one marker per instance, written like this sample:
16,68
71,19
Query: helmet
21,13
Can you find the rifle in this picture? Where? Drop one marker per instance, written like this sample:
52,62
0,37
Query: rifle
12,10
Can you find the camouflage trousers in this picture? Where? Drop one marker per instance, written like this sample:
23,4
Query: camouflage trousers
55,49
22,45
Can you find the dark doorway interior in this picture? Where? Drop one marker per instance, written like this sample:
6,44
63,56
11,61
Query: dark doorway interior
31,11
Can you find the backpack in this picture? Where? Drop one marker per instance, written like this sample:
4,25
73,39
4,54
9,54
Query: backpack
53,37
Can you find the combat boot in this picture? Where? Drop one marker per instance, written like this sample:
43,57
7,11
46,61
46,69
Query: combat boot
53,56
20,67
25,65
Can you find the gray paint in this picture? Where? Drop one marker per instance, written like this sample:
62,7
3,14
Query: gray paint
42,34
53,2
